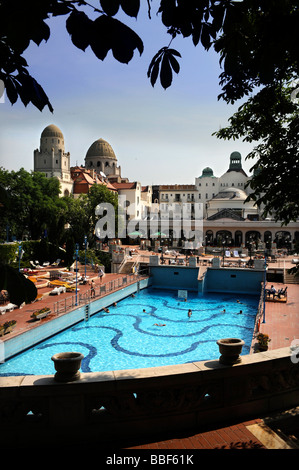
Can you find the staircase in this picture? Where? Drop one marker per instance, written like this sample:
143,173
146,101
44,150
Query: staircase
290,278
127,267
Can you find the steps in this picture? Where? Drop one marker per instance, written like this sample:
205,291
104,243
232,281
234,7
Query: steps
127,267
290,278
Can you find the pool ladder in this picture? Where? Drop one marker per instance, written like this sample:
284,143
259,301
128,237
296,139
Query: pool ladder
86,316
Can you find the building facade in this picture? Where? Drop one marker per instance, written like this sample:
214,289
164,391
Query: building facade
52,160
228,218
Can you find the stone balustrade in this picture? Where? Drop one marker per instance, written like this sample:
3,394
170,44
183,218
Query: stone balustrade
132,403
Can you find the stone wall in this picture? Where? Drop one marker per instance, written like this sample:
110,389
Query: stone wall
134,403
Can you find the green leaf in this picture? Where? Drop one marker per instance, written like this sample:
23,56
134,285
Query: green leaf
11,91
111,34
155,71
110,7
78,26
165,72
174,63
130,7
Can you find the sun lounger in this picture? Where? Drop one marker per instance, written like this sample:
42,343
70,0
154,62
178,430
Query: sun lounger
7,308
58,290
56,263
236,254
227,254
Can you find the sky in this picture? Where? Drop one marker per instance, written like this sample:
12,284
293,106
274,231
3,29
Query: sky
158,136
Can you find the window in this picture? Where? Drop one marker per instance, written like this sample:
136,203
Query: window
207,196
199,196
57,162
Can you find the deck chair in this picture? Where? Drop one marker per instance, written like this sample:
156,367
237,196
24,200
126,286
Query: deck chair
227,254
236,254
281,293
56,263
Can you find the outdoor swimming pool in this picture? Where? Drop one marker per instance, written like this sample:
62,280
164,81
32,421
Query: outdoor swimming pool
130,335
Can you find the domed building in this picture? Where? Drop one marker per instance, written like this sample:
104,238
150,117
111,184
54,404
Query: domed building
51,158
231,203
101,157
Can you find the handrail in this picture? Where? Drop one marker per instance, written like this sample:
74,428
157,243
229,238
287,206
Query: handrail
123,263
69,303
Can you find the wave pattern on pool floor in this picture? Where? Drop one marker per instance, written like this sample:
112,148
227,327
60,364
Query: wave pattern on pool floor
152,329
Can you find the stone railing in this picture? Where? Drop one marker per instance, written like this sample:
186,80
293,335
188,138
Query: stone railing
118,405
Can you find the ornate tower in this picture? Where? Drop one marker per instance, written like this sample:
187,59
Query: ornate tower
52,160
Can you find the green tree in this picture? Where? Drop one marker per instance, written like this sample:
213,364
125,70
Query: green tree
270,120
34,208
257,42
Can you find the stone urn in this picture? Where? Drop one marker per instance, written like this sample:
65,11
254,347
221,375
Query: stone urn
230,350
67,365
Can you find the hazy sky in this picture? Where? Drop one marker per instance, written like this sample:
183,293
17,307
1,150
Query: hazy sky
158,136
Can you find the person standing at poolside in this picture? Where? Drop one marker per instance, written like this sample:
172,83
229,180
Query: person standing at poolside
92,289
101,274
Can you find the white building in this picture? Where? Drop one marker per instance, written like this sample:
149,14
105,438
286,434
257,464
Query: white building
217,194
101,167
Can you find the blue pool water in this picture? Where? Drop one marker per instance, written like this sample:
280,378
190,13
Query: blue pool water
127,337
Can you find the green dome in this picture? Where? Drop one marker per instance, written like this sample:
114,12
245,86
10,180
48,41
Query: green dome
207,172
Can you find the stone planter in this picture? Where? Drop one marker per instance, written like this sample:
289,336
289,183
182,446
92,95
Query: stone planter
67,365
230,350
262,347
40,314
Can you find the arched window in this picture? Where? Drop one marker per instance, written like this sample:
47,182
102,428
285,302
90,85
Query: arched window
238,238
